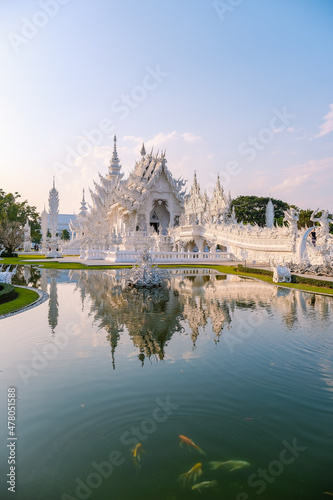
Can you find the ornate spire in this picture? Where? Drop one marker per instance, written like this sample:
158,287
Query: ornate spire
53,209
143,150
270,214
83,208
195,182
114,167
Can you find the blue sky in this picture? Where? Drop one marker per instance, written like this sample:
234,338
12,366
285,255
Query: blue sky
243,88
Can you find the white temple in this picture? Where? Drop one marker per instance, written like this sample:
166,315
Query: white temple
151,209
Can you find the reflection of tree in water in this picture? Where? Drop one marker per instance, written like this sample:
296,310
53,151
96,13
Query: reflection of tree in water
53,312
26,276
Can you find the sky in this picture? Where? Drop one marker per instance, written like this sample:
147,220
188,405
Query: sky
243,88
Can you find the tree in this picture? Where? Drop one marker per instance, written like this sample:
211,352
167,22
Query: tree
19,211
65,235
252,209
11,235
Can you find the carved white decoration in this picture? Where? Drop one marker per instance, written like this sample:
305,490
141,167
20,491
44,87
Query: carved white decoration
270,214
281,274
144,273
53,219
6,276
27,237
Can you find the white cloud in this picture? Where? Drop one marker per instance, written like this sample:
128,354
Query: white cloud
308,182
189,137
327,126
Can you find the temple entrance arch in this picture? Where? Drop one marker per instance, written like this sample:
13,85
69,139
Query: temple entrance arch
160,216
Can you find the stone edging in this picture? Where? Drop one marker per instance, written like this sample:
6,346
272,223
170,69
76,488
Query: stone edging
42,297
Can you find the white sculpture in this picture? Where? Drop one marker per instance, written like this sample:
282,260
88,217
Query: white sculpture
270,214
6,276
291,216
145,274
53,212
324,221
281,274
27,237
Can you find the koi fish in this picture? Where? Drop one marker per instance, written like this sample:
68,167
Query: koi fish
192,474
230,465
205,484
189,442
136,452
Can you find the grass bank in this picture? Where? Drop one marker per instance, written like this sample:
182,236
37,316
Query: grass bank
25,297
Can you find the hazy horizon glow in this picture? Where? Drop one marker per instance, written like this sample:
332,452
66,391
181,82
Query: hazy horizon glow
243,91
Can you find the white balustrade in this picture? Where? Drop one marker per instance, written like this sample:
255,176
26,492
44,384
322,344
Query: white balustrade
129,257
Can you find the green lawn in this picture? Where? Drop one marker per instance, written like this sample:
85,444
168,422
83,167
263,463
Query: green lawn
25,297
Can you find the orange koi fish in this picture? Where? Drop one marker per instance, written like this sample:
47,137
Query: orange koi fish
189,442
136,454
192,474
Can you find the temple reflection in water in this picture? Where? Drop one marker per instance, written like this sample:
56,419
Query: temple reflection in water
195,301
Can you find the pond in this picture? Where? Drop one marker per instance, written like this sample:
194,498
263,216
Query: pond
242,368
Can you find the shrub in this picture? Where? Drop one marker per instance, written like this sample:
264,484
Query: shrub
264,272
8,254
7,293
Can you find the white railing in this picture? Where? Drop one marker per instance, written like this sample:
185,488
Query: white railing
129,257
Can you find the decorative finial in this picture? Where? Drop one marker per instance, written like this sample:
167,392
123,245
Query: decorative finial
143,150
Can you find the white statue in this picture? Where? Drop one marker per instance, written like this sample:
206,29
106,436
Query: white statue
291,216
281,274
27,238
324,221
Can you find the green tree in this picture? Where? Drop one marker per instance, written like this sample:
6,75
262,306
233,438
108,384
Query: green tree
14,210
252,209
65,235
304,217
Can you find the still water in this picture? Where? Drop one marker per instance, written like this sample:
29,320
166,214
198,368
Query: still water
242,368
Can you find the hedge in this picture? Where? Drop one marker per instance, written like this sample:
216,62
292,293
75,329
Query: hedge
294,277
8,254
7,293
251,270
311,281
